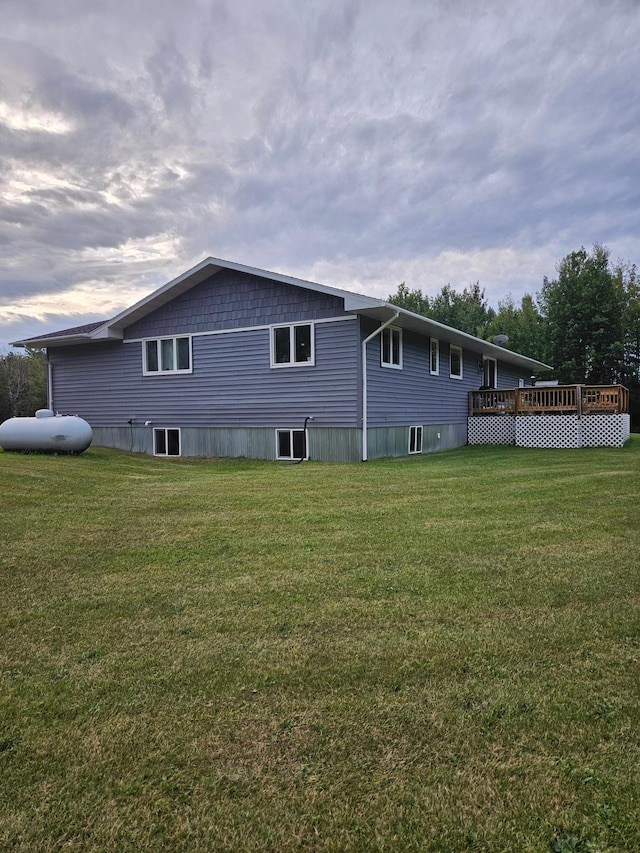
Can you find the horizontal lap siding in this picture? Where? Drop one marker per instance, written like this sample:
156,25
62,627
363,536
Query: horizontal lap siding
232,383
508,375
412,395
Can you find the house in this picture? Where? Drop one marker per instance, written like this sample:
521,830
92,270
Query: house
230,360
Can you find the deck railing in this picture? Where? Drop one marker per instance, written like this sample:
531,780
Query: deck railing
555,399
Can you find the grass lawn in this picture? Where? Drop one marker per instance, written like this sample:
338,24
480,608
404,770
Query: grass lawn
435,653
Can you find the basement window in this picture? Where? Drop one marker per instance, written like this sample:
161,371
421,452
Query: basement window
291,444
166,442
415,439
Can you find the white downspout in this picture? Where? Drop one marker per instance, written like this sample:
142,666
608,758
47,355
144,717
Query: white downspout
364,381
49,384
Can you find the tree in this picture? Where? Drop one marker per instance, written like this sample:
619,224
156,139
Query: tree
627,278
36,396
584,312
411,300
23,383
524,326
5,399
467,311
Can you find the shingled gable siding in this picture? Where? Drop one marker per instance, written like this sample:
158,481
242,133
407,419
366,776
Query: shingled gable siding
234,300
232,383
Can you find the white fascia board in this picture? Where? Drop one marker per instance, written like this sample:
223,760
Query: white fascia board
55,340
426,326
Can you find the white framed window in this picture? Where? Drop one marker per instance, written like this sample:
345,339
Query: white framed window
415,439
166,442
434,357
166,355
292,345
391,347
291,444
521,382
455,362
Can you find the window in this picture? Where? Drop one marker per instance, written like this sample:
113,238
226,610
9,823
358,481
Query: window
391,347
291,444
167,355
434,357
489,372
415,439
166,442
292,345
455,362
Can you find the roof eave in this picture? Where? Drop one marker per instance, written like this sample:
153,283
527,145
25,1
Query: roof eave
421,324
56,340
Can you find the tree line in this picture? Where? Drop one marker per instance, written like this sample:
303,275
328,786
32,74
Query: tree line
585,322
23,383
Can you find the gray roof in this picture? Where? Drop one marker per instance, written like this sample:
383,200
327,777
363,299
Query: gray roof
72,332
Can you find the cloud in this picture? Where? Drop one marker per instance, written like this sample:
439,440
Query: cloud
361,144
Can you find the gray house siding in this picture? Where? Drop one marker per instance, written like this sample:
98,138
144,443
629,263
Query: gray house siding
232,384
412,395
508,376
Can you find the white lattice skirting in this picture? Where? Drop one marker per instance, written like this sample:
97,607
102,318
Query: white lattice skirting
550,430
490,429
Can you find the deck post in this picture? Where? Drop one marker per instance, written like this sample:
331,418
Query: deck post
579,401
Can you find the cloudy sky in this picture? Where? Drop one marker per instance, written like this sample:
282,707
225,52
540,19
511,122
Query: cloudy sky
358,143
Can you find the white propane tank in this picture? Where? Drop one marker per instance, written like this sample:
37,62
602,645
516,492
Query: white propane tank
46,432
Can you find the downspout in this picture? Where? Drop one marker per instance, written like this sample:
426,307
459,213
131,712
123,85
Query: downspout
364,381
49,383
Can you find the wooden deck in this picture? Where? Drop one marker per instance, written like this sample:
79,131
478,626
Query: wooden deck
551,400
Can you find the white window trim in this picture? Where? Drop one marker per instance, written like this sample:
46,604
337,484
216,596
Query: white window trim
435,341
166,430
453,347
292,363
158,340
291,431
388,364
417,431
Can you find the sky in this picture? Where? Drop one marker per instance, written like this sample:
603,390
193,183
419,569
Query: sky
355,143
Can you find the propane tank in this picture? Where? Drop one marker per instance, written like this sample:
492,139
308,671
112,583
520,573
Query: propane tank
47,432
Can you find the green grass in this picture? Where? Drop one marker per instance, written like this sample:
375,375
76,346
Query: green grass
435,653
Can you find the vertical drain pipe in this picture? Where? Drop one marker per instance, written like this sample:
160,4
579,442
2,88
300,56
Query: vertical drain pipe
49,383
373,335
